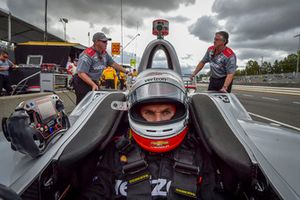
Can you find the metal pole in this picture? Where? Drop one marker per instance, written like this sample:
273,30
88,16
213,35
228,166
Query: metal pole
9,28
65,31
298,52
131,41
122,31
45,33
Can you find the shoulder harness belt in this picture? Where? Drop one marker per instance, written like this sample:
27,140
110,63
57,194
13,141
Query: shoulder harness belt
136,172
185,173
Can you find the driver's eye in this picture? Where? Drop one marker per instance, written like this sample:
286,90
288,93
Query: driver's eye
149,113
167,112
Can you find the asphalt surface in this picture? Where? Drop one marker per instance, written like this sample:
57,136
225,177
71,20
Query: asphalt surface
276,106
280,107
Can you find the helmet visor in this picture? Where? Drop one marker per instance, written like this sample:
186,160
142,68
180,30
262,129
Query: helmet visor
156,91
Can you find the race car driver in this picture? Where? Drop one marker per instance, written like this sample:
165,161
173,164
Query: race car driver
159,157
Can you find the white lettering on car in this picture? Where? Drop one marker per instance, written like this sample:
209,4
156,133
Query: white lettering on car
160,187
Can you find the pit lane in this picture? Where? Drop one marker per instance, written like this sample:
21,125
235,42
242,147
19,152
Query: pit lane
279,106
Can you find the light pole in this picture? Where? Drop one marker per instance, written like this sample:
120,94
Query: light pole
298,52
130,41
122,32
45,32
64,21
125,46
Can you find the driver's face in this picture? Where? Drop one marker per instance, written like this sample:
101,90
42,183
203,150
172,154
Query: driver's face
158,112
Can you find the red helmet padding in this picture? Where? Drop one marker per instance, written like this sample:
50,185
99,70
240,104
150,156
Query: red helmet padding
159,145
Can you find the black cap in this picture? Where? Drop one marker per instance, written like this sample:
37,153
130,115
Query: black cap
100,36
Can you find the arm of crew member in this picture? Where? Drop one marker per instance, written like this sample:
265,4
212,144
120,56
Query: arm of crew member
11,64
88,80
227,82
119,67
198,69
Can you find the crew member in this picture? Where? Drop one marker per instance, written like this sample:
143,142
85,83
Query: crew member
90,65
222,61
72,66
134,73
5,65
159,158
109,75
133,76
122,80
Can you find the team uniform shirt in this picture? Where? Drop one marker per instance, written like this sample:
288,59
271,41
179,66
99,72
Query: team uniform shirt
71,68
134,74
221,64
109,73
122,76
93,62
5,65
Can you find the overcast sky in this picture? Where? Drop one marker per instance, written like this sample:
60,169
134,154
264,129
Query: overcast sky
258,28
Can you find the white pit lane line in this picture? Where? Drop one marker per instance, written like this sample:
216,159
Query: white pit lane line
296,102
268,98
247,95
274,121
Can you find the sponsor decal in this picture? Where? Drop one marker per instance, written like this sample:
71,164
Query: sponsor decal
155,79
160,143
139,178
185,192
160,187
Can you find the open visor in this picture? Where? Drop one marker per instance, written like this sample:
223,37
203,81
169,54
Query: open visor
156,92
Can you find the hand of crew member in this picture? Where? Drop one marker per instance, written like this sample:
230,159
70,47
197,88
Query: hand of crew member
14,66
223,89
192,76
95,87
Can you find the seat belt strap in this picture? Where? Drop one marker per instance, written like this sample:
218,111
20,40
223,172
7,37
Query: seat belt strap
185,175
137,175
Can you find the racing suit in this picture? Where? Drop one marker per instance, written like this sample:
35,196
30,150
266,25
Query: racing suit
92,63
111,181
221,64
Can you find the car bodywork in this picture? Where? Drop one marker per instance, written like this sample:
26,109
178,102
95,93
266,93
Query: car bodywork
227,131
190,84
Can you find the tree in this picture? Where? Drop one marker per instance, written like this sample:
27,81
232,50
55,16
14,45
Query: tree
289,63
276,67
238,72
266,68
252,67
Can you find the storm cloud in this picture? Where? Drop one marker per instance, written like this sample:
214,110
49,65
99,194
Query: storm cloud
204,28
94,11
256,27
178,19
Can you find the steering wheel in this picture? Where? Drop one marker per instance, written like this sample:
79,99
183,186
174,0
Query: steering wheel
8,194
